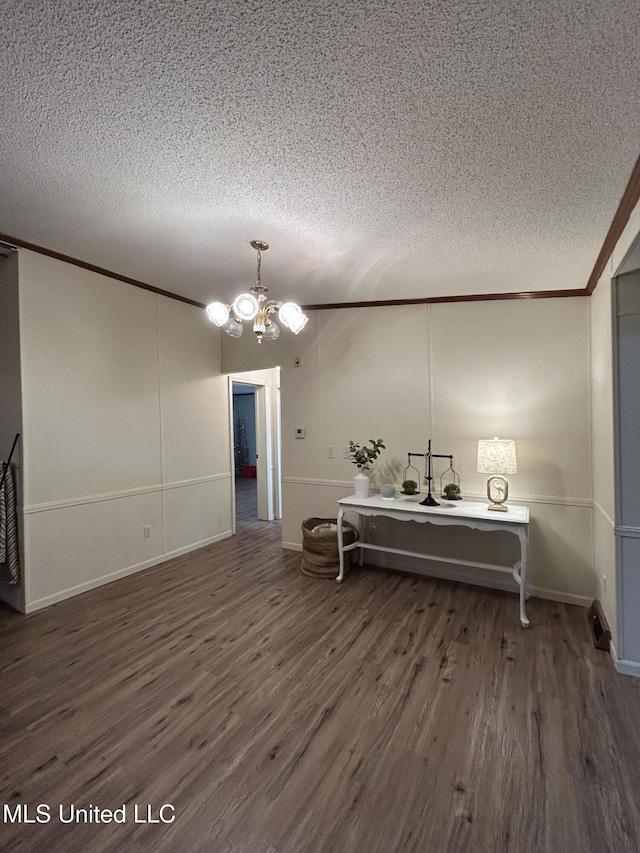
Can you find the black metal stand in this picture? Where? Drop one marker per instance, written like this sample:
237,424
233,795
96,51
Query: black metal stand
430,500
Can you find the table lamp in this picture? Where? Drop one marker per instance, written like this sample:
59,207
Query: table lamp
497,456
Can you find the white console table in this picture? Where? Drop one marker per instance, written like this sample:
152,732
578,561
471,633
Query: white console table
455,513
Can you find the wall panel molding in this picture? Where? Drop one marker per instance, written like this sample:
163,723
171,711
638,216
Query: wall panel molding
127,493
605,515
549,500
312,481
627,532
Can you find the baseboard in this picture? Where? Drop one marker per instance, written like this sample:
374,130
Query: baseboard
624,667
40,603
562,597
463,575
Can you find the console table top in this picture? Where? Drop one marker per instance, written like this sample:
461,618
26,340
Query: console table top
451,509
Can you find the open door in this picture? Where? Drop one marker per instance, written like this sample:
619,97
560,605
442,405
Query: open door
268,452
264,455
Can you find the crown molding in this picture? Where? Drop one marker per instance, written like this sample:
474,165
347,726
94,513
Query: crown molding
17,243
629,200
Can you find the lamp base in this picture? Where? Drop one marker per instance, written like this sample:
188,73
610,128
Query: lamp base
497,492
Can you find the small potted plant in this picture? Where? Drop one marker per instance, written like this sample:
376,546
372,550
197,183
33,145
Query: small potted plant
363,457
409,487
452,492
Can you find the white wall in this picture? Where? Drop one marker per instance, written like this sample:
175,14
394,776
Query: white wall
456,372
519,369
10,395
125,423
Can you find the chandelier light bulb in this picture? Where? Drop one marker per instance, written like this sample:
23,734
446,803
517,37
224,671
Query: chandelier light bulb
245,306
218,313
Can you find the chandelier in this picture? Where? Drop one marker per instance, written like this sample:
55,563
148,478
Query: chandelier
254,306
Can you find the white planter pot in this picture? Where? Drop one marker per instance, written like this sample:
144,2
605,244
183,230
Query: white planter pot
361,485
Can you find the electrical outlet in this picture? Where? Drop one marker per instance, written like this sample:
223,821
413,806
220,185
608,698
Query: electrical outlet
345,453
147,531
330,453
604,584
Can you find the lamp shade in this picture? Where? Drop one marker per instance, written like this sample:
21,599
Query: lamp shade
233,327
292,317
271,332
497,456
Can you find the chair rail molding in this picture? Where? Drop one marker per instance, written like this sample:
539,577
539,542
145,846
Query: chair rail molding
126,493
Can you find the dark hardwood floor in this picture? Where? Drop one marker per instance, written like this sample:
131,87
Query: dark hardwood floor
276,712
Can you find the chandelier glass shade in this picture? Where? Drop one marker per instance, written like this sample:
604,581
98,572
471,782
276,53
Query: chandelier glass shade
218,313
255,308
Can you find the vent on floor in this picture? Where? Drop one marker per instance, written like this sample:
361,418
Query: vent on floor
599,628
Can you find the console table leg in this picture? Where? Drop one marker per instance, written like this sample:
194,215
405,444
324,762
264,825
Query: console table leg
340,546
522,576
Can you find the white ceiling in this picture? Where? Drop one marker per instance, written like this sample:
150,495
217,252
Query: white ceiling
390,149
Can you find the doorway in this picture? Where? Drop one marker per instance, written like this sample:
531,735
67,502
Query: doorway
245,472
255,446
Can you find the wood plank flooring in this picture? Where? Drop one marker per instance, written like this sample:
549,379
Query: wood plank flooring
246,500
283,714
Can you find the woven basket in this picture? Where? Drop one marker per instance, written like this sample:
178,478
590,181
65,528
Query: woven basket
320,558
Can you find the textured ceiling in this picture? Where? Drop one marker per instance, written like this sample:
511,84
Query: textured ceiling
384,149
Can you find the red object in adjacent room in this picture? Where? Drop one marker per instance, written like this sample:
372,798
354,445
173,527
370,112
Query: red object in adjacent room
248,471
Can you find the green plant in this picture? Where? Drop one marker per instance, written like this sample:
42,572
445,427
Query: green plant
452,490
409,486
365,456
